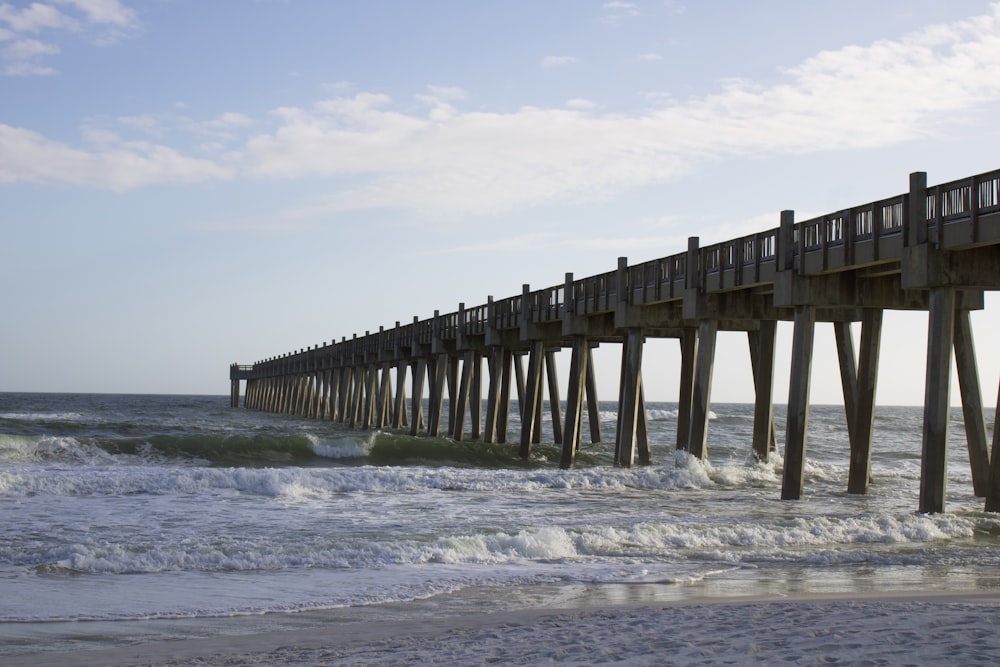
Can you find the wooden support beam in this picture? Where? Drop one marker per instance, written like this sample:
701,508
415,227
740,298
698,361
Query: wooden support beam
859,476
453,415
533,385
417,395
437,395
399,416
371,397
701,393
503,412
317,394
493,364
476,397
593,406
689,353
346,390
519,380
574,400
993,493
934,457
552,380
628,413
462,399
848,375
536,431
357,395
972,403
642,427
798,403
382,409
419,375
762,343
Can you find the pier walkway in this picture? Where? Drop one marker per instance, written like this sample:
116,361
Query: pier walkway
932,248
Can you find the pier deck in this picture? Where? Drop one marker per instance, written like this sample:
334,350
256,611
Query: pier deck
931,248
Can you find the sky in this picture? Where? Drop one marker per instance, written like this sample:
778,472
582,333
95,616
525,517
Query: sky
188,184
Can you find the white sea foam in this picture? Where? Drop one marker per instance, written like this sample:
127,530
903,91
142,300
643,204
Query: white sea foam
354,446
44,416
603,548
201,539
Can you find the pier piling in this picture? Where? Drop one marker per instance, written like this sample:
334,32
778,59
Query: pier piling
934,249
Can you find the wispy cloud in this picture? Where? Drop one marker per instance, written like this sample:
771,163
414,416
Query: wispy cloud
102,21
617,11
558,61
109,163
480,163
443,159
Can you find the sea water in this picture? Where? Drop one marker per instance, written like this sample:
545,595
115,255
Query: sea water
129,518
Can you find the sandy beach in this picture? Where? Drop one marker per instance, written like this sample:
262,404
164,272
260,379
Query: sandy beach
913,628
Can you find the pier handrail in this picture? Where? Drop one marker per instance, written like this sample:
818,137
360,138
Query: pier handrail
664,279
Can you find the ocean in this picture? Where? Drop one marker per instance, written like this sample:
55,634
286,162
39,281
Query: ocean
131,518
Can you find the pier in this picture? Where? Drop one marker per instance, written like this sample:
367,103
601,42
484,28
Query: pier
931,248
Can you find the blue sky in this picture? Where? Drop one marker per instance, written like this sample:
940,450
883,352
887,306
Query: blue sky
188,184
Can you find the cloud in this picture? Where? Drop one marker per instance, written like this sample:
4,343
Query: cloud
25,49
35,18
224,123
649,57
439,159
104,12
474,162
22,68
103,21
616,11
112,164
558,61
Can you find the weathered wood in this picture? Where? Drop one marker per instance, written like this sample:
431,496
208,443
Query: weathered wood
383,409
940,340
859,475
762,344
552,380
519,384
835,268
628,413
848,375
498,377
453,414
574,400
642,427
346,390
972,403
533,385
536,431
436,412
993,493
798,403
417,395
593,407
689,352
462,399
503,412
371,397
399,416
697,444
476,397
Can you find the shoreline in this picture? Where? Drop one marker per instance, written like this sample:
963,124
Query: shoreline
915,626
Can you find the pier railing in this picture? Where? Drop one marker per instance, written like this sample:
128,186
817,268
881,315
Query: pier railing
871,233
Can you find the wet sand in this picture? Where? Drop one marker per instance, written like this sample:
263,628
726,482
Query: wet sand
915,628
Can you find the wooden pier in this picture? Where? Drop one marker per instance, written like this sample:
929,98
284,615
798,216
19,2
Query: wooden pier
931,248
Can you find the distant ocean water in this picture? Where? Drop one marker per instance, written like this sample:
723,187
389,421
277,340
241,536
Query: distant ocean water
127,517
